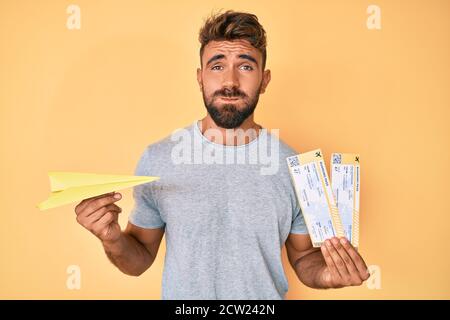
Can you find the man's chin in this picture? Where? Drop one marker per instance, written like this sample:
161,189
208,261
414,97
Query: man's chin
228,121
229,115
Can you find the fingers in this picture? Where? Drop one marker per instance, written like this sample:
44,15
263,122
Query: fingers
97,215
89,221
355,278
357,260
330,264
82,205
101,220
96,203
107,218
339,263
346,267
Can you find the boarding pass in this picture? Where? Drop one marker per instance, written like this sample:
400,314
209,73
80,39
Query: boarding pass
313,190
345,175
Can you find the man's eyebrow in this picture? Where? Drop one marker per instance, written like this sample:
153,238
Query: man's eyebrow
214,58
248,57
241,56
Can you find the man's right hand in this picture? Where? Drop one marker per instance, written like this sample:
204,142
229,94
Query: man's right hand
100,216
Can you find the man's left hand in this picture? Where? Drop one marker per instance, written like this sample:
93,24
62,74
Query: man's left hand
344,265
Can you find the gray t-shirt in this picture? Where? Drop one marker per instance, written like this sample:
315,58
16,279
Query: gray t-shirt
226,216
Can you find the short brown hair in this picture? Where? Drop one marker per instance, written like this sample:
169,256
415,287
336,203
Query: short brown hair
232,25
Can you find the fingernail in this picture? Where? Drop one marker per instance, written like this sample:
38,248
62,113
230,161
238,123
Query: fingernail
335,241
343,241
328,243
117,196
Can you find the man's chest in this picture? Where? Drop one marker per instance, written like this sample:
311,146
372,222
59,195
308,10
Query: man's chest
237,198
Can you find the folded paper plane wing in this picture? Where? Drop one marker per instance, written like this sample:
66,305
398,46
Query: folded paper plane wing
68,187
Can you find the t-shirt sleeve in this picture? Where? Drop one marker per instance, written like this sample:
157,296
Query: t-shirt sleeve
298,222
145,213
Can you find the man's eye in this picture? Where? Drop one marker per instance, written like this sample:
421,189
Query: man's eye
216,68
247,67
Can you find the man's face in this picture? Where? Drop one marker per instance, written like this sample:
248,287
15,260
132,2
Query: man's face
231,80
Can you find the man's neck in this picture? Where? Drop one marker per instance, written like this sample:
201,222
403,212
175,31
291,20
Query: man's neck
244,134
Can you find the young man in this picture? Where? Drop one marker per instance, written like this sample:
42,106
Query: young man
225,218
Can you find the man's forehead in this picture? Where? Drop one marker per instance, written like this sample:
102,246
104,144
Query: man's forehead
231,47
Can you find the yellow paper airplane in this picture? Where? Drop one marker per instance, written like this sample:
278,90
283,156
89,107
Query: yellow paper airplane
68,187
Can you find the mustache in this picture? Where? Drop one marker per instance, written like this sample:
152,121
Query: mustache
230,93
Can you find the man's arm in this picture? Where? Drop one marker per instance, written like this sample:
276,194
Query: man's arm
335,264
135,250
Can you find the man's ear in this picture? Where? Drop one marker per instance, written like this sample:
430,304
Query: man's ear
265,81
199,78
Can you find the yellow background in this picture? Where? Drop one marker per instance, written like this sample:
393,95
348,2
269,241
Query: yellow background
90,100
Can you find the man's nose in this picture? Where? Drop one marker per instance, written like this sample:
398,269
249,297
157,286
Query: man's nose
230,79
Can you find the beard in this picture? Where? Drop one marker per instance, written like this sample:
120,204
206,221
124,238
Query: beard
228,115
